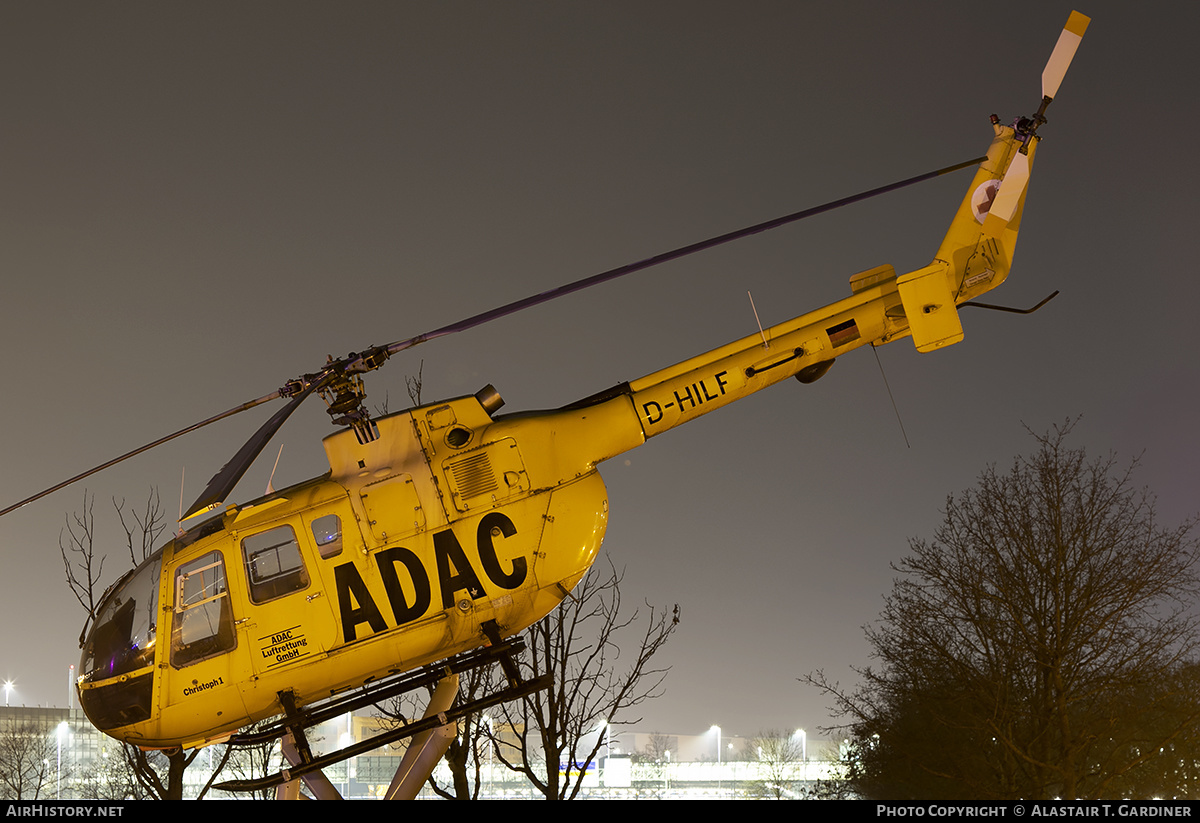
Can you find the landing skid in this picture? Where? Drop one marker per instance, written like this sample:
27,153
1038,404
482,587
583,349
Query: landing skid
438,715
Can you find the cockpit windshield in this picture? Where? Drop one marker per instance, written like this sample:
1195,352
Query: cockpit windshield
122,638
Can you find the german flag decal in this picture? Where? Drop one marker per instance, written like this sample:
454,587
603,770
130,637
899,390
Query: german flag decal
843,333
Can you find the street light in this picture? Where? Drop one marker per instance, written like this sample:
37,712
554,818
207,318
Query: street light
717,729
8,687
345,740
62,729
490,745
803,752
605,740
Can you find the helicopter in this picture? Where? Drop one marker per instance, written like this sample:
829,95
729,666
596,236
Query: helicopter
450,527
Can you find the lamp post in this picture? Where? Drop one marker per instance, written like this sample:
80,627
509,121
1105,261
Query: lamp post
803,743
605,740
62,729
803,752
717,729
345,740
8,687
490,745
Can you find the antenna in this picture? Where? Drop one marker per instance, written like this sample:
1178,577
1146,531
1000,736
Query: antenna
270,487
761,333
182,474
895,408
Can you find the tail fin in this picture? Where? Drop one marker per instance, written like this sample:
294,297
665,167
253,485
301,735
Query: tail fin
977,252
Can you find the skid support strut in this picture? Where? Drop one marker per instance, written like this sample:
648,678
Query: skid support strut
430,741
426,748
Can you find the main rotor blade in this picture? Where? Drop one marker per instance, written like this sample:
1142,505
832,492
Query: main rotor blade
249,405
222,483
621,271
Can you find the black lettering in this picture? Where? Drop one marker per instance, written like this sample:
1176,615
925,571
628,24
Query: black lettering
652,417
487,551
454,570
721,383
349,585
707,396
687,396
199,687
387,561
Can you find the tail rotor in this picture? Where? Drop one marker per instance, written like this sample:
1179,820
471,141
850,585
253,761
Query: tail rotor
1017,177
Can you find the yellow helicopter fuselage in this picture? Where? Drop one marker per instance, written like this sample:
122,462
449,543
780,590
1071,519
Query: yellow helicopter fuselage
455,516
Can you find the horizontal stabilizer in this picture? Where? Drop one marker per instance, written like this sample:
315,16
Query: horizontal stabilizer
929,305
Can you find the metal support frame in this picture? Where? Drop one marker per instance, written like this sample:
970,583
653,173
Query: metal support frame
432,733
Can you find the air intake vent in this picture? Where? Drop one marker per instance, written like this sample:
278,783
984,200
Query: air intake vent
473,475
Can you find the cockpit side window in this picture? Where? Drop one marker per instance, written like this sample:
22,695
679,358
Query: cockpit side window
274,565
203,624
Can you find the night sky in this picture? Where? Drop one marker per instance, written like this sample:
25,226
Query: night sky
201,201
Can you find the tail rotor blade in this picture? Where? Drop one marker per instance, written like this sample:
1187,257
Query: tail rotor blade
1016,178
1011,189
1064,52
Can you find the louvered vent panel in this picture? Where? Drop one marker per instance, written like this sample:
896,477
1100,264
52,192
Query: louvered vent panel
473,475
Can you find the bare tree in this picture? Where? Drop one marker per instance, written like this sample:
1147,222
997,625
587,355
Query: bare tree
465,755
27,758
834,785
412,384
245,762
108,777
415,384
160,773
1043,645
652,766
658,747
83,568
150,774
142,529
563,728
779,755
